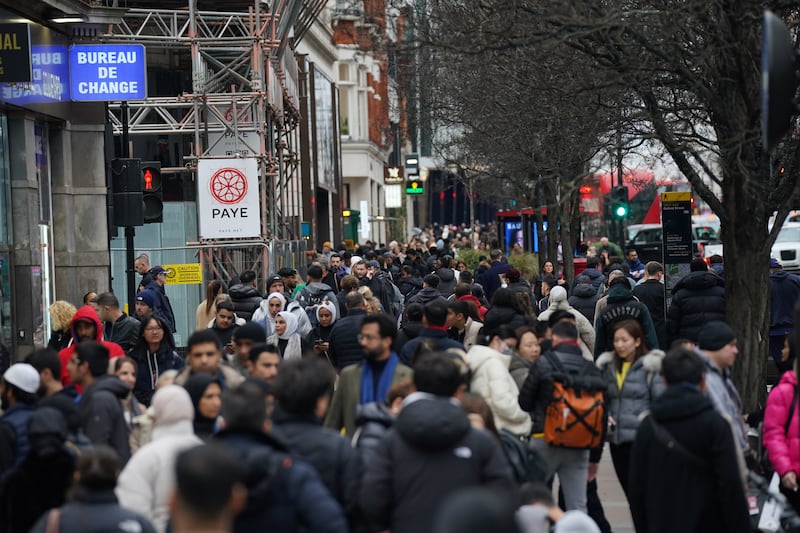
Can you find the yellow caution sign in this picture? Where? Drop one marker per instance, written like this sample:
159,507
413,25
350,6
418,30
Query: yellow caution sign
676,196
184,274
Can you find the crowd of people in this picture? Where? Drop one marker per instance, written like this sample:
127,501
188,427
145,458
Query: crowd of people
396,390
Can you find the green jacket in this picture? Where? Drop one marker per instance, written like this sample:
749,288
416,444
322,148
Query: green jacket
342,412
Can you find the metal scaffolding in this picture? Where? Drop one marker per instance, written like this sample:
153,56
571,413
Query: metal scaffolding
244,99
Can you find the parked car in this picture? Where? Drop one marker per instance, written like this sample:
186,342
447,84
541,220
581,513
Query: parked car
787,246
648,241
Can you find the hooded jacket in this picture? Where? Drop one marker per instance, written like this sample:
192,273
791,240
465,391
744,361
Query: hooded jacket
558,301
448,281
622,306
102,417
697,299
245,299
327,451
642,385
595,275
669,492
85,313
584,299
428,294
492,380
152,364
284,495
409,287
430,453
146,483
784,289
783,447
163,307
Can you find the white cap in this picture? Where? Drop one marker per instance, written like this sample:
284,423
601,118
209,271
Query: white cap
23,376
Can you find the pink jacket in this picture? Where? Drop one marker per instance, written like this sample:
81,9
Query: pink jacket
783,449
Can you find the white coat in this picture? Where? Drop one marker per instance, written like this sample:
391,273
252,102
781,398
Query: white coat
148,480
491,379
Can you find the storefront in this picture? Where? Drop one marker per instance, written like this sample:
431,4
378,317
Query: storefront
53,221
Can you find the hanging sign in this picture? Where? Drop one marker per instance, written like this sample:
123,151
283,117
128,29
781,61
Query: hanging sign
227,198
106,72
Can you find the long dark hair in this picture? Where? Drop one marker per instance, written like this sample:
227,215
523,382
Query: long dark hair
214,288
633,329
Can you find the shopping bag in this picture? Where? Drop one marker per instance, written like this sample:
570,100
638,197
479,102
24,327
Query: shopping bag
770,519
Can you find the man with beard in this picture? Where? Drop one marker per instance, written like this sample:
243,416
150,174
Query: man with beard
370,380
18,394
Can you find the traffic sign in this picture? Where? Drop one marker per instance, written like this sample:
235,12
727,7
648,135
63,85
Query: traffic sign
414,186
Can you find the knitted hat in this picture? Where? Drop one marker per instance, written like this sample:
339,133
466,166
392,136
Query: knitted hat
147,298
171,404
714,336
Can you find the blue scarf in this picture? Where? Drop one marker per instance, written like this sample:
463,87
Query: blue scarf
384,382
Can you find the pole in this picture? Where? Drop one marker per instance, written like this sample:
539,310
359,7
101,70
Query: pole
130,231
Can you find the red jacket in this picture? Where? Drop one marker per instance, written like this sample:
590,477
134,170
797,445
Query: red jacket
783,448
86,312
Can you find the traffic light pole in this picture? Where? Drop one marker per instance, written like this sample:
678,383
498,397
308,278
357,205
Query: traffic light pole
130,231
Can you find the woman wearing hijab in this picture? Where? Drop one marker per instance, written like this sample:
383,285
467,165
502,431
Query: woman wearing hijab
265,315
206,393
286,337
321,333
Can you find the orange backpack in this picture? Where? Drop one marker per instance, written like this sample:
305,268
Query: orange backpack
575,417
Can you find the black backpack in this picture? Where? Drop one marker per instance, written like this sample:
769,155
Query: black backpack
527,465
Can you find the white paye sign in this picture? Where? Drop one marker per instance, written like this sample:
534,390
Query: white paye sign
227,198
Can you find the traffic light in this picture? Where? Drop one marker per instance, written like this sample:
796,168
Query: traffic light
414,186
619,202
126,190
152,192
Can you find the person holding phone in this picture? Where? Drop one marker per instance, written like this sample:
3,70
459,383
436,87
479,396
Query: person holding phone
319,336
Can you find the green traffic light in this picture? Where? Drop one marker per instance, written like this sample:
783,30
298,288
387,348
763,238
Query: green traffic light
621,211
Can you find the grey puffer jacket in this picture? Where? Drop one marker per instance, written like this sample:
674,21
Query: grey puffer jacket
642,385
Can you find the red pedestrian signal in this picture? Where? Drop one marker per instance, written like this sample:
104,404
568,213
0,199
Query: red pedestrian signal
153,194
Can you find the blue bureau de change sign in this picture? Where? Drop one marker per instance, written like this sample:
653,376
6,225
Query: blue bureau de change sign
104,72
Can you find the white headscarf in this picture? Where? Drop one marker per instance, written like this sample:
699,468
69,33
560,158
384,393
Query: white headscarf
327,304
280,297
291,324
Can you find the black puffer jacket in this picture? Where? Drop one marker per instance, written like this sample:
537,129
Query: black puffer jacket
584,298
95,510
430,453
336,462
408,330
245,299
697,299
344,348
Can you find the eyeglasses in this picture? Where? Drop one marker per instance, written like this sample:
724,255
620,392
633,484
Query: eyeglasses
362,338
154,329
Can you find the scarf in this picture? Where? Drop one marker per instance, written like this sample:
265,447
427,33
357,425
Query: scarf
291,324
327,304
368,392
279,296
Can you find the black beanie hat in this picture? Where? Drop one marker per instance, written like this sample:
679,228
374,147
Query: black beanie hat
714,336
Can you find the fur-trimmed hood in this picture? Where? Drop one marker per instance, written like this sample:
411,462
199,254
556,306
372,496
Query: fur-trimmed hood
651,360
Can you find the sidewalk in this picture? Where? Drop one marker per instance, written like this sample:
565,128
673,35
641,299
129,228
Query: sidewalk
614,503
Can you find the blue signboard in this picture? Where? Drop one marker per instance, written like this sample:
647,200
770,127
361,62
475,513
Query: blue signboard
104,72
50,78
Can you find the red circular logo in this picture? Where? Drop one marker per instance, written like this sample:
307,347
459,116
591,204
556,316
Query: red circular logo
228,185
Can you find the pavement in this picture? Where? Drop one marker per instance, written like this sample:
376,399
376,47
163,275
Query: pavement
615,505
